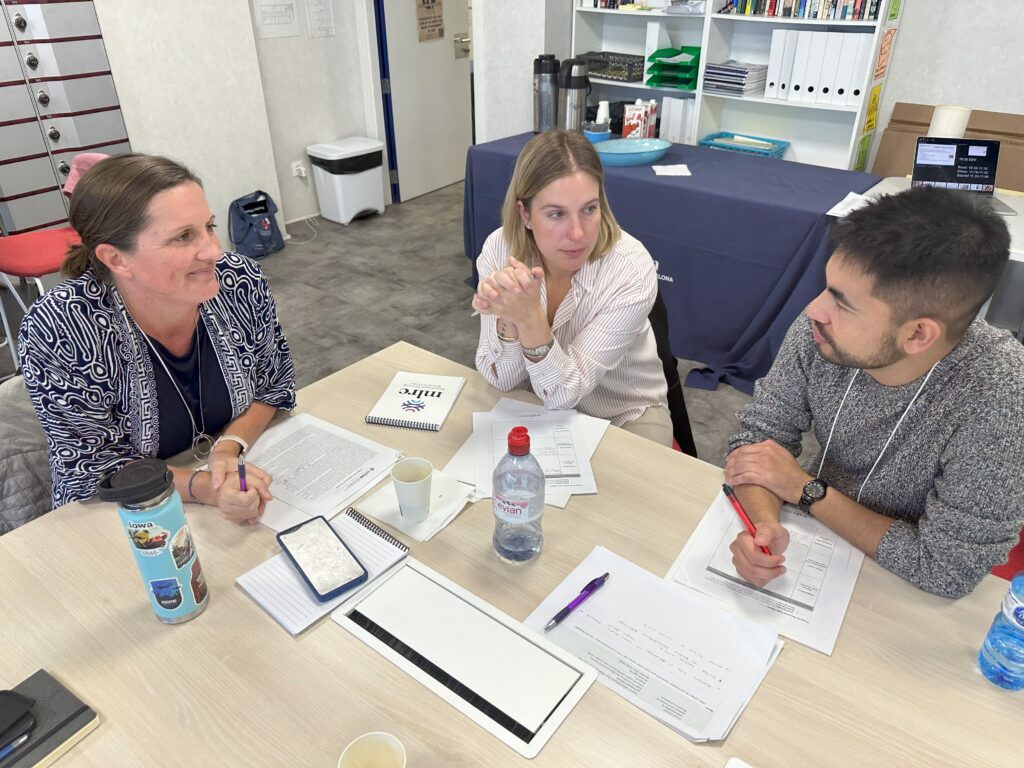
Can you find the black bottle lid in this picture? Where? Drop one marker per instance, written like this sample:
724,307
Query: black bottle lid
136,482
545,64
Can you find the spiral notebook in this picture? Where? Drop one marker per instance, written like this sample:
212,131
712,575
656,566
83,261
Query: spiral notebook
416,401
279,589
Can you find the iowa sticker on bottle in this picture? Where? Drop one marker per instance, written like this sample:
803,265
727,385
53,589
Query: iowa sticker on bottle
514,510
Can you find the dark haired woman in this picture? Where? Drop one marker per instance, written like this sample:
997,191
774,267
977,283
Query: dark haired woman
157,342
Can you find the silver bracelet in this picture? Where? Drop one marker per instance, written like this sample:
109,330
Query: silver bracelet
234,439
191,479
541,351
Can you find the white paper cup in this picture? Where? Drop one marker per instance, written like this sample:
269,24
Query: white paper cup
412,486
373,750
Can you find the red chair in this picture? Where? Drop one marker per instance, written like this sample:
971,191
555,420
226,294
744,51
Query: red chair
1014,562
30,255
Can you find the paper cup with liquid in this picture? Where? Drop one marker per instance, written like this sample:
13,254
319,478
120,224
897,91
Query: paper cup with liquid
373,750
161,540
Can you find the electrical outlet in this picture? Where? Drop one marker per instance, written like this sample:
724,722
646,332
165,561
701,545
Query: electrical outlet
298,169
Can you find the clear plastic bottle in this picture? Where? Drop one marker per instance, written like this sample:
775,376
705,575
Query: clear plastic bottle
1001,658
518,501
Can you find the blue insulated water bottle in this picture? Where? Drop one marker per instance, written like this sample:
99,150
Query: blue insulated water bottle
154,522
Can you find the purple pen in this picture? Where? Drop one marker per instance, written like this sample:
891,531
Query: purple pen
241,474
586,592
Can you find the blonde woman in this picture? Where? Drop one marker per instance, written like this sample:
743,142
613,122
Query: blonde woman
564,294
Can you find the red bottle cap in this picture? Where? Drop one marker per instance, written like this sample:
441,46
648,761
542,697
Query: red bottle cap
519,441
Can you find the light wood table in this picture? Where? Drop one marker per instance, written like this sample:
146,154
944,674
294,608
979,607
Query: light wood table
231,688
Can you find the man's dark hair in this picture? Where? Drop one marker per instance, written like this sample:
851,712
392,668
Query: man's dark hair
931,253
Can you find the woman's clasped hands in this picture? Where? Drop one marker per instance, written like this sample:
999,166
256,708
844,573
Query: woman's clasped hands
513,293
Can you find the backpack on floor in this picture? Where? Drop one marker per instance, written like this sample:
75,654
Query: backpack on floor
252,227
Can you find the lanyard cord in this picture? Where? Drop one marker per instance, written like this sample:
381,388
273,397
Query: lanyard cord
891,435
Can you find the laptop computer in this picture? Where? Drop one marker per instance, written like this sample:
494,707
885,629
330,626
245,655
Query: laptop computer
967,165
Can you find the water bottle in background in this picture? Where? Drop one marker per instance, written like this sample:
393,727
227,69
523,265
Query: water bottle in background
154,522
1001,658
545,93
518,501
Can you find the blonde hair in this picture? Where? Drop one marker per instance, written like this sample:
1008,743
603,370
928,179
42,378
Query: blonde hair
109,205
548,157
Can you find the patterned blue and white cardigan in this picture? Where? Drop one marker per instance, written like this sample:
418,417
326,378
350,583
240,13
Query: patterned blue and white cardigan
90,377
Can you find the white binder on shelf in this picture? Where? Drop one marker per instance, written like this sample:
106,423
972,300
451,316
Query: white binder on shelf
799,77
829,67
788,56
861,75
844,72
668,105
812,75
771,83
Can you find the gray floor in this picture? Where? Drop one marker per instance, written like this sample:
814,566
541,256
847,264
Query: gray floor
399,277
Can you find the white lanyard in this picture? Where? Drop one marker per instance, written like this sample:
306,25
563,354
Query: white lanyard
828,442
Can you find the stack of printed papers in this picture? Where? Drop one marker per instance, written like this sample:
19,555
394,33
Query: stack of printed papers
562,441
806,604
670,652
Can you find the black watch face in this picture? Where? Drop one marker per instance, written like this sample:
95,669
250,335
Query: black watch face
814,491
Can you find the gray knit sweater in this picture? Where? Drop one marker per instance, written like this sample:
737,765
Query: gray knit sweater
953,475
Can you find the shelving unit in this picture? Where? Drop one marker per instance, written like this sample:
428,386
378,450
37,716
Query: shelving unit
833,135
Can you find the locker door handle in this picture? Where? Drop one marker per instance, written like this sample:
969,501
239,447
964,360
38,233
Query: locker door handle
64,167
43,98
53,133
31,61
19,22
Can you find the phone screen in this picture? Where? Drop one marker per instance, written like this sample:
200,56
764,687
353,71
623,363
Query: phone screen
321,555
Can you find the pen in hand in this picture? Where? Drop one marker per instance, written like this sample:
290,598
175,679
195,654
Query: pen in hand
241,473
586,592
744,518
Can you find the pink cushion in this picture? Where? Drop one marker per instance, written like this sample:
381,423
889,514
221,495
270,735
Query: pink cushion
81,163
34,254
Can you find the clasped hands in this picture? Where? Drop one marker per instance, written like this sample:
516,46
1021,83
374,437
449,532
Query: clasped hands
237,505
512,293
773,468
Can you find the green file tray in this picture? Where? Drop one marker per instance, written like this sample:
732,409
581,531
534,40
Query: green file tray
668,53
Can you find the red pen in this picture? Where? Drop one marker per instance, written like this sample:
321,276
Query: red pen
731,495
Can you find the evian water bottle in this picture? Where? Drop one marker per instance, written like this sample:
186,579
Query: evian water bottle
518,501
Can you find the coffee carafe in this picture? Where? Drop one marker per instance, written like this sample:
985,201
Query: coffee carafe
545,92
573,86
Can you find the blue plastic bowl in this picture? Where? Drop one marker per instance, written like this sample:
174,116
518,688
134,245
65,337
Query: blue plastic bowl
596,137
632,151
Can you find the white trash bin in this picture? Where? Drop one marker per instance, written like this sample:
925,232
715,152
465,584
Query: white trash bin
348,175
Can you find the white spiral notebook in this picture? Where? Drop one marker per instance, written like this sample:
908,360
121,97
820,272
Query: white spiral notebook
279,589
416,401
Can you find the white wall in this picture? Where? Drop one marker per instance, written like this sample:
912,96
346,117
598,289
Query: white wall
314,91
508,37
558,28
962,52
189,86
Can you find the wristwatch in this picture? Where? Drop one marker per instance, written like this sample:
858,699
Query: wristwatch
540,351
814,491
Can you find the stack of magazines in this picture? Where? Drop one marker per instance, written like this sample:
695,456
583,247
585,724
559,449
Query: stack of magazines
735,78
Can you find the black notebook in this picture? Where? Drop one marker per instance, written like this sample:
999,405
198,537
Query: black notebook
62,720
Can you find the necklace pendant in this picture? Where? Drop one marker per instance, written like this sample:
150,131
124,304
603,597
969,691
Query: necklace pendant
202,446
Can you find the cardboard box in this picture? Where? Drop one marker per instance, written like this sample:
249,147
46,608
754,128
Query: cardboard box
895,155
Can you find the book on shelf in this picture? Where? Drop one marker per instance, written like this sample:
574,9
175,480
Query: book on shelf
734,78
819,10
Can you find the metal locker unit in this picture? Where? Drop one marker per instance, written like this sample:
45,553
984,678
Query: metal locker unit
57,98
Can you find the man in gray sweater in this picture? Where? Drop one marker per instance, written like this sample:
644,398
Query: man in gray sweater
918,405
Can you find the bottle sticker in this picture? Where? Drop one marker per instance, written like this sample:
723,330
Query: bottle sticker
512,511
1013,610
148,538
198,583
182,548
167,593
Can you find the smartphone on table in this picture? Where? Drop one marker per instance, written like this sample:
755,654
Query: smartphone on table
323,560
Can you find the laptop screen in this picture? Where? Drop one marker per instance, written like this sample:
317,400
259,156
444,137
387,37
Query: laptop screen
964,164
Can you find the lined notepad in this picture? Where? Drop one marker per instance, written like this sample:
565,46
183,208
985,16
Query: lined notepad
279,589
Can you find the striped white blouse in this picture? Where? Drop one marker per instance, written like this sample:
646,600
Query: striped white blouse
605,360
